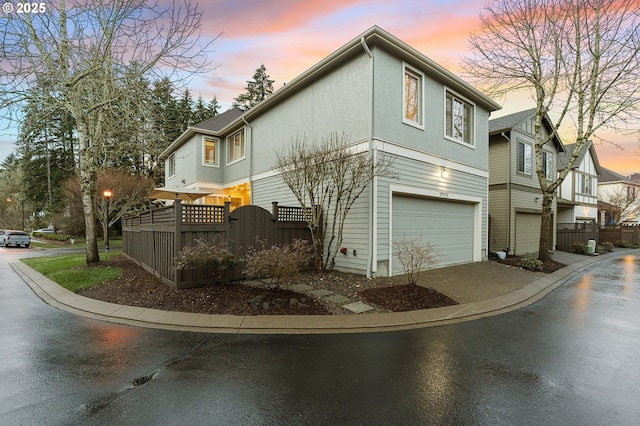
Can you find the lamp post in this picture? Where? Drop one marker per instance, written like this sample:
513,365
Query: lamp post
107,194
10,200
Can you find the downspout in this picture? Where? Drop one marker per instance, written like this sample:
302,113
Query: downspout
250,141
372,261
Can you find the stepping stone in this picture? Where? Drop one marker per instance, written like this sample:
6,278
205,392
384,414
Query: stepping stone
300,288
321,293
338,299
357,307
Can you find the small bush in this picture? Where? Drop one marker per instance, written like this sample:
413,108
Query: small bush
277,263
216,255
579,247
414,256
605,247
531,264
622,243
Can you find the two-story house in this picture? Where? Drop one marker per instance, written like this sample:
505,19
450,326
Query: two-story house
515,200
618,198
578,193
390,100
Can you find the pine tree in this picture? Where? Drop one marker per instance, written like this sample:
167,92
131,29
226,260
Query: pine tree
257,90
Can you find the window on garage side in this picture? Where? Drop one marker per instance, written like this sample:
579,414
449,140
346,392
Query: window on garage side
412,96
524,158
236,146
210,152
459,119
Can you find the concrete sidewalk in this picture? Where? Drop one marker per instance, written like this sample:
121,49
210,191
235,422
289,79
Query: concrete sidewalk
482,289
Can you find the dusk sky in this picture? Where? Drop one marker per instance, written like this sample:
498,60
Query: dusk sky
290,36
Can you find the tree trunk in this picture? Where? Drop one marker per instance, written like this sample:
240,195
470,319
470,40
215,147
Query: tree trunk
545,226
88,178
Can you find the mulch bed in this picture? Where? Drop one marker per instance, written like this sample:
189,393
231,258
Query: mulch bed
548,266
136,287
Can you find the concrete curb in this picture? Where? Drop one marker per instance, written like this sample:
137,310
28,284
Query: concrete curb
54,295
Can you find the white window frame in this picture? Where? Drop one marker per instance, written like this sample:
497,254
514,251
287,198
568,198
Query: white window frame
469,128
409,71
525,163
230,151
216,150
171,165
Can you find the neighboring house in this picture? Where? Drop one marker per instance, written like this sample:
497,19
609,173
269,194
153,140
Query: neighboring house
618,198
389,99
515,197
578,193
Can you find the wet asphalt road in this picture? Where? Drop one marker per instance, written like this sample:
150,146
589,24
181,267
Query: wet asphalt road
570,358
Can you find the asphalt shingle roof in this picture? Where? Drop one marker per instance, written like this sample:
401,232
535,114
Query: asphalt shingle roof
219,122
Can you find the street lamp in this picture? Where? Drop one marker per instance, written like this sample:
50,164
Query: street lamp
10,200
107,194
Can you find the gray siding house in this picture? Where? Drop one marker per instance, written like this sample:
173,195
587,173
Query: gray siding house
389,99
515,201
578,193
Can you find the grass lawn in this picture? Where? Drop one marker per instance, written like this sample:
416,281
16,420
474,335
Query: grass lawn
68,270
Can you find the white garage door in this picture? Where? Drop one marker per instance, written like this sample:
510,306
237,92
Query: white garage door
446,225
527,233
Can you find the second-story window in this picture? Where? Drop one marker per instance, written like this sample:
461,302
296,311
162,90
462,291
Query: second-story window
524,158
236,146
412,97
210,152
459,119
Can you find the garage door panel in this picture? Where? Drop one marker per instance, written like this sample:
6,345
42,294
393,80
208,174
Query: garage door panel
446,225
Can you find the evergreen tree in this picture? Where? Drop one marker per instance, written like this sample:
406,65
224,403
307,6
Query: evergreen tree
257,90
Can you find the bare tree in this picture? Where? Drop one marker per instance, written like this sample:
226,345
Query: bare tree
624,202
327,177
578,59
84,58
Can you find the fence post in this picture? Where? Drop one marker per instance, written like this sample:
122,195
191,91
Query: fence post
177,237
274,210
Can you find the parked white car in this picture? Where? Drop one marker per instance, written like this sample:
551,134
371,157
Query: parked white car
15,238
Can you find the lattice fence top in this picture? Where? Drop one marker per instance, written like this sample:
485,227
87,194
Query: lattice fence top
195,213
293,214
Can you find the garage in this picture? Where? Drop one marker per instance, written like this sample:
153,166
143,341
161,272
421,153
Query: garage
527,233
446,225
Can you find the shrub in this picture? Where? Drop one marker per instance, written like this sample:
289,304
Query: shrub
622,243
414,256
606,246
579,247
531,263
216,255
278,262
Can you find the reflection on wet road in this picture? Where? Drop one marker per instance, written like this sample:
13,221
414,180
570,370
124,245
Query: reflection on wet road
570,358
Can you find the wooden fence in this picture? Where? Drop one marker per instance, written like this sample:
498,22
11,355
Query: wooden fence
568,233
153,238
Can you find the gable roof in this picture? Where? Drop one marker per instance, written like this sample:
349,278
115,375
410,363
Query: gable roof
564,158
608,175
213,127
375,36
220,121
508,122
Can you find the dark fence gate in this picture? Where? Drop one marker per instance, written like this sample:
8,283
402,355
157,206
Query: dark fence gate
154,238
